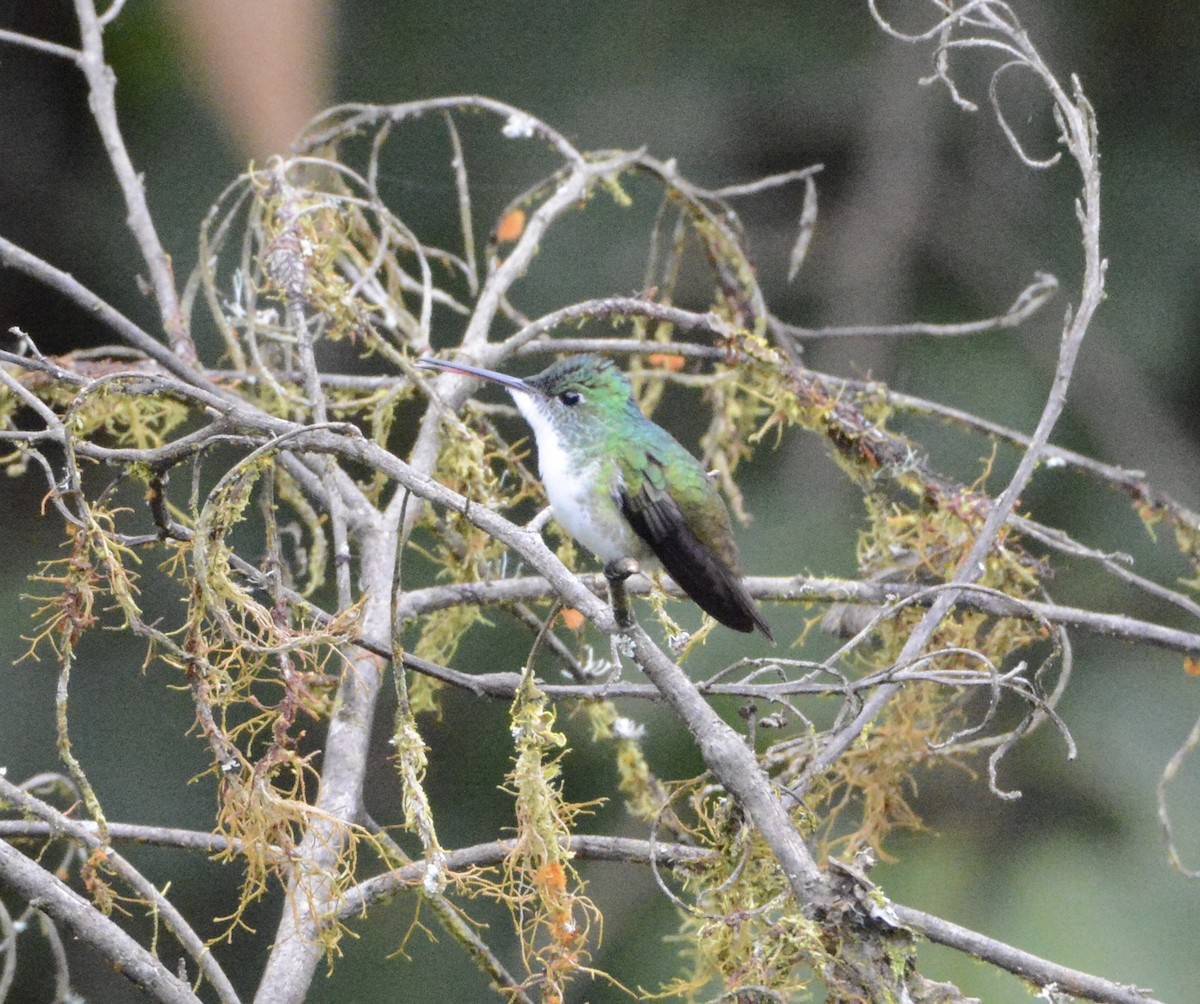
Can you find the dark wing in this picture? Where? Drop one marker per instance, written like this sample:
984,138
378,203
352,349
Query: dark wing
709,575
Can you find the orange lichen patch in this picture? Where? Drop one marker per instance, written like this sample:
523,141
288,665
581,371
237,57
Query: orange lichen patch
511,226
572,618
667,361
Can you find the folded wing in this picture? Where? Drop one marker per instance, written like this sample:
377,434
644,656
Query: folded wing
673,530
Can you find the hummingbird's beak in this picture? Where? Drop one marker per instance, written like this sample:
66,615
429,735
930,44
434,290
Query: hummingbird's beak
511,382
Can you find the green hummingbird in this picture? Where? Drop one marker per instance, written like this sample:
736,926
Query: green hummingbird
623,487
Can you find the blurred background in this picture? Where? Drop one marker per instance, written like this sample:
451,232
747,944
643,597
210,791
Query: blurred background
925,214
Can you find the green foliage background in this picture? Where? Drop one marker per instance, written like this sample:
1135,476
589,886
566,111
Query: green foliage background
924,214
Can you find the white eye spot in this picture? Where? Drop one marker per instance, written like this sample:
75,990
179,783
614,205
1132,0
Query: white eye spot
570,398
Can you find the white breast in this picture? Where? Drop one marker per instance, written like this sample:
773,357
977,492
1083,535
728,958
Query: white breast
581,495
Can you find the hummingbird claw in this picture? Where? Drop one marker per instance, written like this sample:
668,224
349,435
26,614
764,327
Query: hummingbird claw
620,569
617,571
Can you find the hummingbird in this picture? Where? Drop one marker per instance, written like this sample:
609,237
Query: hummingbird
624,487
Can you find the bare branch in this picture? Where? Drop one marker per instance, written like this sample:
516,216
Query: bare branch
131,833
1164,815
1042,973
1079,134
172,919
57,900
41,45
585,846
518,123
1038,971
15,257
806,590
102,84
1028,302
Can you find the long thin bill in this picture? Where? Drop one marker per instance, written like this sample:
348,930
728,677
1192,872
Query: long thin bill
512,382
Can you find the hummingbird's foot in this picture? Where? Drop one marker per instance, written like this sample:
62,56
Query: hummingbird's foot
620,569
617,571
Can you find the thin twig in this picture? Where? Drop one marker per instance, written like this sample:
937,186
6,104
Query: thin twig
95,838
1079,134
1028,302
32,882
102,101
1041,972
41,45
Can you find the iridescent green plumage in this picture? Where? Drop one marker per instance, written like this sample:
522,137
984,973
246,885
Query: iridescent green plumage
625,488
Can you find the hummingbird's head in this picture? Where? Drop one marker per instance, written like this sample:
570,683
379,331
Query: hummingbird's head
577,402
577,399
579,390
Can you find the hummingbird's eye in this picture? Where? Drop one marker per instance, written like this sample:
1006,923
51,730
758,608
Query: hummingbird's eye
570,398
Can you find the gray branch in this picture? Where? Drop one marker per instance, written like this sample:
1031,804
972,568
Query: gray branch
59,901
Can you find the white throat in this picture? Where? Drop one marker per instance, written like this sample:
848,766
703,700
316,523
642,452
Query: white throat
583,508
